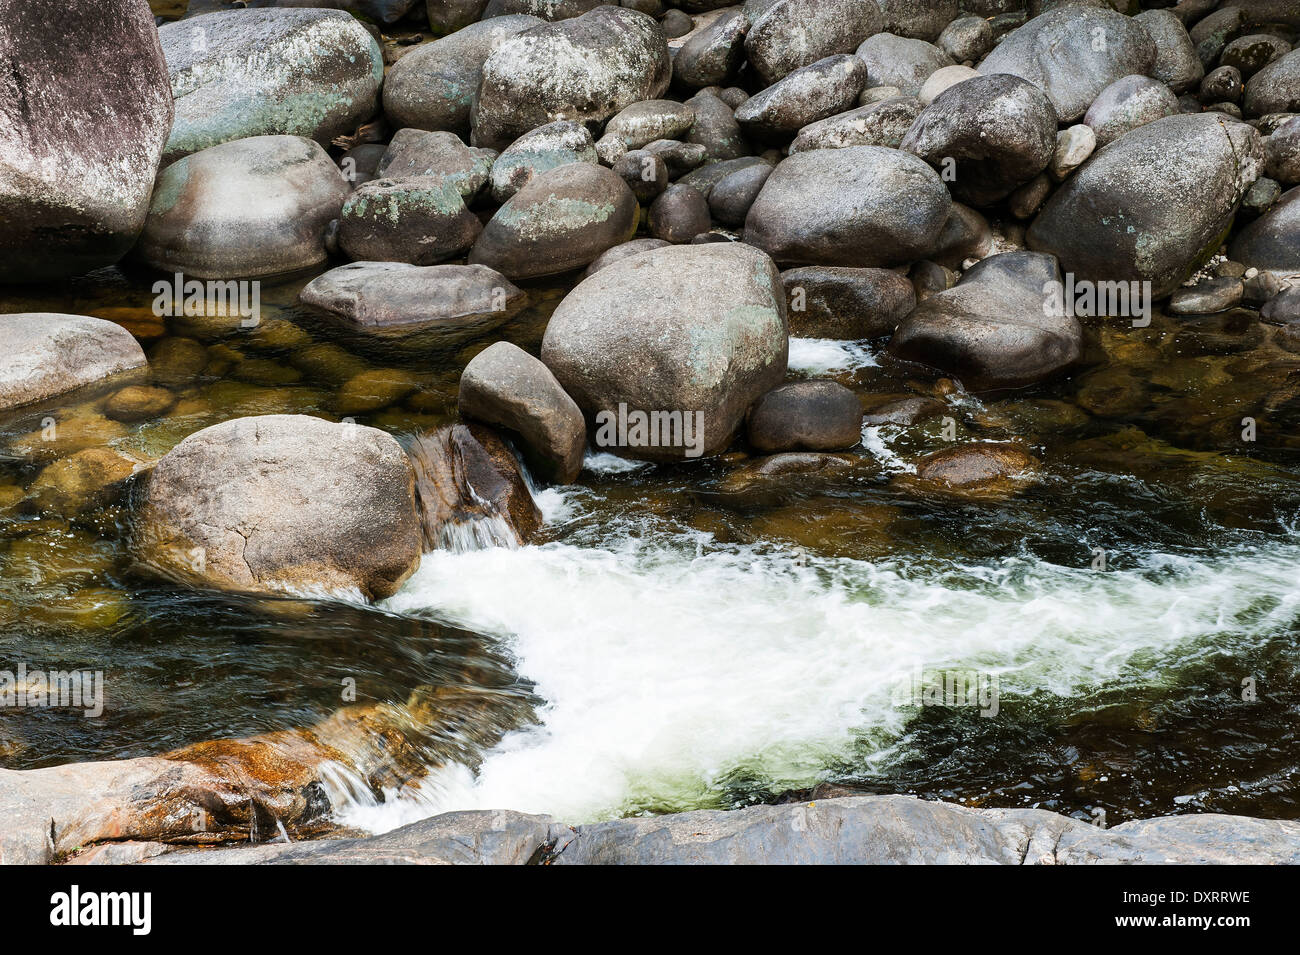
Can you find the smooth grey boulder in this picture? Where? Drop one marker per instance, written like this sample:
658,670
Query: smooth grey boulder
1176,63
448,17
1059,53
1129,102
416,153
679,214
622,251
47,354
585,69
710,174
883,123
996,328
804,96
79,144
791,34
1207,297
712,54
503,385
560,220
810,415
1212,32
679,157
942,80
380,306
546,9
545,148
1154,204
847,304
282,503
244,209
992,133
966,39
1282,152
1272,241
715,128
693,330
918,19
241,73
651,119
645,173
433,86
380,11
733,194
860,206
421,220
901,62
1275,88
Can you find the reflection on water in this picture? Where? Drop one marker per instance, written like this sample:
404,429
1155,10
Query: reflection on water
708,634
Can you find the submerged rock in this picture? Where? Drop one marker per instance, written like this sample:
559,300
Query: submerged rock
79,144
241,73
381,305
859,206
245,209
280,503
692,331
986,469
585,69
1154,204
47,354
996,328
505,386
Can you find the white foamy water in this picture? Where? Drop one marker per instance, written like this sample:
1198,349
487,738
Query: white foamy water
666,666
818,356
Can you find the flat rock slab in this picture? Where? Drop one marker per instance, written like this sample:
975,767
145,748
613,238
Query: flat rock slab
46,354
852,830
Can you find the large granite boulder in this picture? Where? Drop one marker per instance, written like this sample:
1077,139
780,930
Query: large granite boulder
696,332
860,206
240,73
996,328
994,132
560,220
245,209
433,86
80,142
1154,204
790,34
584,69
1072,53
282,503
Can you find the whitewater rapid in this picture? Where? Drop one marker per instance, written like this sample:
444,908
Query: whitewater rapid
669,663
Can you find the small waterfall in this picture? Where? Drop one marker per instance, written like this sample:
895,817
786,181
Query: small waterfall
473,492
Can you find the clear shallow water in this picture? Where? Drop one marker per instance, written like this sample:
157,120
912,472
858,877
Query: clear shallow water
682,638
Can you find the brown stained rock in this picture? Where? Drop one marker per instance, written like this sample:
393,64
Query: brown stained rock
467,479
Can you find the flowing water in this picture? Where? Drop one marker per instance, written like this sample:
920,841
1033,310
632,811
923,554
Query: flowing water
684,636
